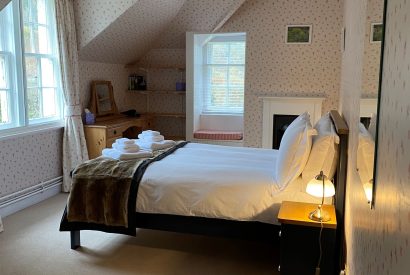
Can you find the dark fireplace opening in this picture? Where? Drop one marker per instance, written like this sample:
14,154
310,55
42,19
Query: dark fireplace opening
280,123
365,121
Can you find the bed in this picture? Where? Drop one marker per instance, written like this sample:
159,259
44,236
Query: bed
173,196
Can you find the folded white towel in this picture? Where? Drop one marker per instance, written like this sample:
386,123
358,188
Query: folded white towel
124,141
127,148
115,154
155,145
150,133
151,138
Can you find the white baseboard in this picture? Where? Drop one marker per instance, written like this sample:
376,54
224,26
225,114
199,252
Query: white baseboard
13,203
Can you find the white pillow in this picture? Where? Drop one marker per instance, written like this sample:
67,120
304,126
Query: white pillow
324,154
294,150
365,155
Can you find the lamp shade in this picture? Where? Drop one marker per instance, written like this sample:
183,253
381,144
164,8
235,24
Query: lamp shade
315,187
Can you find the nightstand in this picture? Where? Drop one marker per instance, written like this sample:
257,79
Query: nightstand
299,239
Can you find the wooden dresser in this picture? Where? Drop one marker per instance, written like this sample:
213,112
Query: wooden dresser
103,133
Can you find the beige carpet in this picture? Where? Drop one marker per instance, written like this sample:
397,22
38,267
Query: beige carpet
32,244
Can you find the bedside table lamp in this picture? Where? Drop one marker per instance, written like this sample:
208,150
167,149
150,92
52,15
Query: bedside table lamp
321,187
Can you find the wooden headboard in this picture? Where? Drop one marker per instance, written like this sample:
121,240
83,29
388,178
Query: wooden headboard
343,131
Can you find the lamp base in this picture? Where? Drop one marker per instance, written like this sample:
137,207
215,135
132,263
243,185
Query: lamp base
319,215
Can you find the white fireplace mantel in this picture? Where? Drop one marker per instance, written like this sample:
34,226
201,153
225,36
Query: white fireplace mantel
287,106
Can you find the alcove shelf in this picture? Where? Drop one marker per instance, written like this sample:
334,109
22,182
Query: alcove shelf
165,105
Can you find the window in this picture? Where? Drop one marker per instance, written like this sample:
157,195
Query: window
224,74
30,89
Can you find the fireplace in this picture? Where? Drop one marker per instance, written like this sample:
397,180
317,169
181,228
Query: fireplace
280,124
289,107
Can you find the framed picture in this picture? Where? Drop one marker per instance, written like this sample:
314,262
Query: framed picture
298,34
376,32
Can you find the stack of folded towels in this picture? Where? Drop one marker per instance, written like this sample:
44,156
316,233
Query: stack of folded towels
125,149
153,140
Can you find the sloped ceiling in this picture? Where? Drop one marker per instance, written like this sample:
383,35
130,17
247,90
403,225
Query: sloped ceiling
93,16
132,33
131,30
199,16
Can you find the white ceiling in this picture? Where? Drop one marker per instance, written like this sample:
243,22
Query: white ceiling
123,31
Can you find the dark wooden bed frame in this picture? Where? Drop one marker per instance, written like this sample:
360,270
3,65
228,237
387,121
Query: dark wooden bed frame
257,231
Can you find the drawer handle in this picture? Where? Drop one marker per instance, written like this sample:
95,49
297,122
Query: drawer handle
280,233
115,132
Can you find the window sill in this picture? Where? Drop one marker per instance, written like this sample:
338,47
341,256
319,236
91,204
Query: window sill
25,130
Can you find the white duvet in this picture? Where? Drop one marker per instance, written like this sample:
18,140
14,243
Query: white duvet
215,181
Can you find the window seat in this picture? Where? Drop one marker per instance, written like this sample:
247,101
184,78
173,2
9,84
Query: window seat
218,135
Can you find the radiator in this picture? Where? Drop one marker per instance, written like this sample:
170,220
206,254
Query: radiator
19,200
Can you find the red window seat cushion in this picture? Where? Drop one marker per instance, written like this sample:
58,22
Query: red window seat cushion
218,135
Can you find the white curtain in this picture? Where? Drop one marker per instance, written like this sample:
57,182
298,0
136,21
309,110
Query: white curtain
3,3
74,146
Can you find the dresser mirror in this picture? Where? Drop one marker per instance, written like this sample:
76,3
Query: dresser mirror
370,98
102,101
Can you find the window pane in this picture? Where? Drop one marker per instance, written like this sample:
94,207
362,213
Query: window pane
235,98
218,97
26,10
49,102
225,75
33,103
218,75
30,38
32,73
47,73
41,12
237,53
218,53
43,40
3,72
236,75
6,28
4,108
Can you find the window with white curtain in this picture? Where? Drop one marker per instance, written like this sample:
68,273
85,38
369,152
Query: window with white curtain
224,74
30,85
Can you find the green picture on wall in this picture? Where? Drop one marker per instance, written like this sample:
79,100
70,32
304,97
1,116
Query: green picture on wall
376,32
299,34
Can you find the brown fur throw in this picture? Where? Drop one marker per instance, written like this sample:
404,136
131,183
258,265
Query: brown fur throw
104,190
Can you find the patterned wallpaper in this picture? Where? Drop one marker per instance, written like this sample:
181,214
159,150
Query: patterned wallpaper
198,15
378,240
132,34
29,160
371,62
93,16
276,69
118,75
